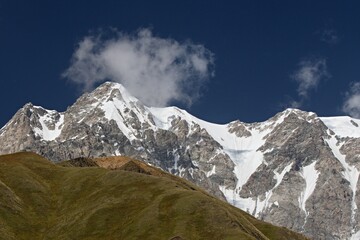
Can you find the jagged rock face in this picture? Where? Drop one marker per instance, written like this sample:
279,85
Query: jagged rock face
295,170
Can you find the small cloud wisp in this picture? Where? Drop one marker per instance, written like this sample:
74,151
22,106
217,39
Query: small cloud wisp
351,104
309,74
329,36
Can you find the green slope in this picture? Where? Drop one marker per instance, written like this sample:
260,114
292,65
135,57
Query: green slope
41,200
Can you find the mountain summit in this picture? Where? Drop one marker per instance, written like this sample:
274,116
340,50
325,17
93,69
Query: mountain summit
295,169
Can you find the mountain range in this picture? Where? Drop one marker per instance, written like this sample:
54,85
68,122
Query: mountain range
295,169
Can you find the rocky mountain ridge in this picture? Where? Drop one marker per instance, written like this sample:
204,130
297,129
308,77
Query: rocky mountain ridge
295,169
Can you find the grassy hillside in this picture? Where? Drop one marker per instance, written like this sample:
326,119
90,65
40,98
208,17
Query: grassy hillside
41,200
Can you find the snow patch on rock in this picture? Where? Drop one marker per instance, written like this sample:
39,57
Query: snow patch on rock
45,132
310,175
343,126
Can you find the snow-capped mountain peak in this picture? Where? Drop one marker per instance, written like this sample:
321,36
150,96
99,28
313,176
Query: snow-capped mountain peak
289,169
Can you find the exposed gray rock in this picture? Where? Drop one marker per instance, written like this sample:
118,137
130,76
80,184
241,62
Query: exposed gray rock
239,129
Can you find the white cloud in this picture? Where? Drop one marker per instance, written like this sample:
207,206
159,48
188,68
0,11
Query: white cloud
309,74
155,70
351,104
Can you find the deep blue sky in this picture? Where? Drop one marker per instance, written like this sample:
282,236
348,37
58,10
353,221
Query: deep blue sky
258,46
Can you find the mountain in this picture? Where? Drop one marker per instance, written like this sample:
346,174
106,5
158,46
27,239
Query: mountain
41,200
295,169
